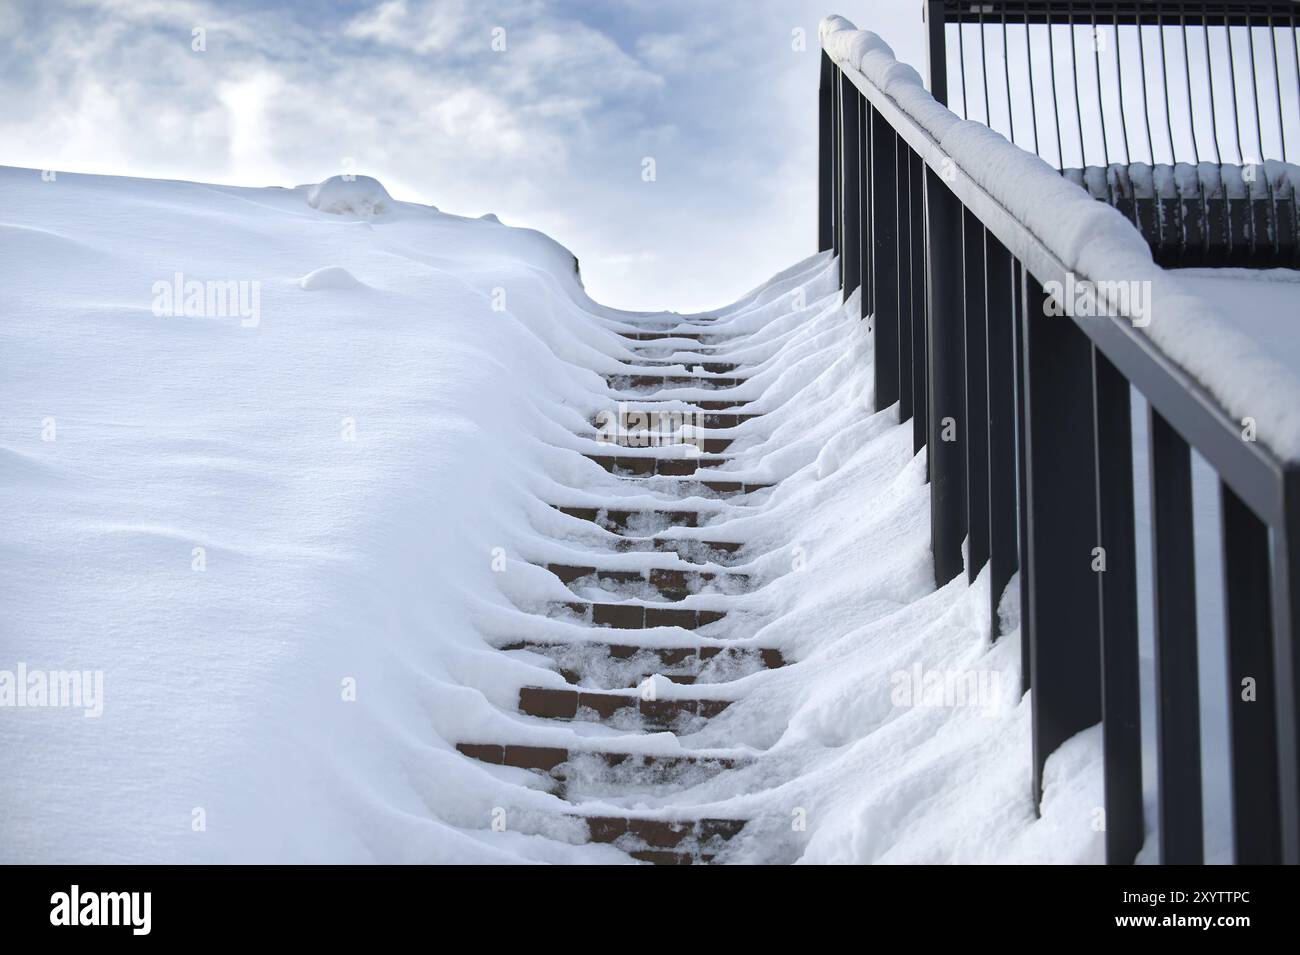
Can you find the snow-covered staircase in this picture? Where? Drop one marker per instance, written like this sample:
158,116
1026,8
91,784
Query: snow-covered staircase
649,625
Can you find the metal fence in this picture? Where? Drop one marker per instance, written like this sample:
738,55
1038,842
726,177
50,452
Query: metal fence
1181,114
1026,422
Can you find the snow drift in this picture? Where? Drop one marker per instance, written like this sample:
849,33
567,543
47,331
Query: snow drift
276,541
350,195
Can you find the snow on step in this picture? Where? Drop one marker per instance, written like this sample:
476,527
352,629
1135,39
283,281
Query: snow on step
567,704
647,466
669,582
635,616
602,665
560,762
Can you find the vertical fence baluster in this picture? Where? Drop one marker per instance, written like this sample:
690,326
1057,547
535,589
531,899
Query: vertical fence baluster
837,155
1252,713
975,427
936,49
850,178
906,287
825,160
1286,659
1001,386
946,359
1022,470
864,198
1173,582
920,395
884,259
1121,724
1064,621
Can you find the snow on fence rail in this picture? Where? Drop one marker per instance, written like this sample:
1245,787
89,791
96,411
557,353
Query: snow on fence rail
1175,113
997,287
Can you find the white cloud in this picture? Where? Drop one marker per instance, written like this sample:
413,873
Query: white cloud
429,27
548,134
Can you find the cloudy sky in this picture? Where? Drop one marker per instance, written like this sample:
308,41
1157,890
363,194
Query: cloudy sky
550,132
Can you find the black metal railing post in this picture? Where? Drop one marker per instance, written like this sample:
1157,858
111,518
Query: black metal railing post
1286,659
825,161
1173,584
946,376
1116,569
1064,622
1252,687
920,347
885,194
937,55
837,157
864,203
976,425
906,284
851,177
1000,355
1021,364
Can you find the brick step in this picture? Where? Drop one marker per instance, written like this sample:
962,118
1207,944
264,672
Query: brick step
693,550
664,842
649,466
565,704
728,488
552,760
641,438
690,550
727,420
615,519
710,367
662,336
632,420
625,665
629,616
621,381
699,404
672,583
721,406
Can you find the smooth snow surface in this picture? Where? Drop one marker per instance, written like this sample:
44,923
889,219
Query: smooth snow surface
1263,304
276,540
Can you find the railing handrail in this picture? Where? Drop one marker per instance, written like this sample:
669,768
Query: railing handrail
955,238
1025,216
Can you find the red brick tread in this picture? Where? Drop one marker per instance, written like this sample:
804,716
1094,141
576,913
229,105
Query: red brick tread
673,583
565,704
646,465
634,616
547,758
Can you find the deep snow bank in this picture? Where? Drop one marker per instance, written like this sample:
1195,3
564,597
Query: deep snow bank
350,195
269,522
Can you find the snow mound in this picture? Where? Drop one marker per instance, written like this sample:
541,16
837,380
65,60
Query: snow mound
331,276
490,217
355,195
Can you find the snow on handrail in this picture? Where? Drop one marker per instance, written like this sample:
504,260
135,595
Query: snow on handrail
1061,234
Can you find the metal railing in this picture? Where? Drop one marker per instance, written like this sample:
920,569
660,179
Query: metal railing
1181,113
1026,422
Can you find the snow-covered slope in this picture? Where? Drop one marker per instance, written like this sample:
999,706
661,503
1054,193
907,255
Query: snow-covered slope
288,511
